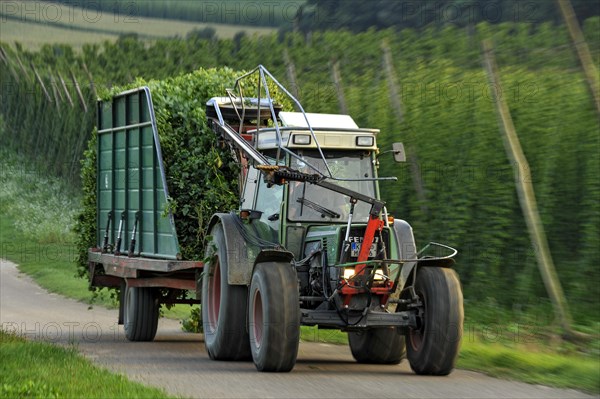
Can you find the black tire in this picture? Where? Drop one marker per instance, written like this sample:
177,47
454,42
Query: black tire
274,317
140,313
223,307
432,349
377,346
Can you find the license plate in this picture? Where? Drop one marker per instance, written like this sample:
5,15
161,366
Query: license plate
355,243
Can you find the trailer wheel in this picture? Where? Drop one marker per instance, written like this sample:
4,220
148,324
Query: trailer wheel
274,317
223,307
140,319
432,348
377,346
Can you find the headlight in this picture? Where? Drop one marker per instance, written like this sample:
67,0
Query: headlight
349,272
303,139
365,141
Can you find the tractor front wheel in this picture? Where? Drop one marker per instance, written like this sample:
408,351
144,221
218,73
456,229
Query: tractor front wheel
274,316
432,347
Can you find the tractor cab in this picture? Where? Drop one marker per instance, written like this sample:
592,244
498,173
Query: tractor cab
341,148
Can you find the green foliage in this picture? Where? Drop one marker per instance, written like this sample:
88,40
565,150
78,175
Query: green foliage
85,222
193,323
360,15
28,389
201,176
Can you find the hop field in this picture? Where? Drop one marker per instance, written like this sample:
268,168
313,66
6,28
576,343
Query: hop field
44,207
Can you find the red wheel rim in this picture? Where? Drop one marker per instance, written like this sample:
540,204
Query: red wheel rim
416,339
257,317
214,296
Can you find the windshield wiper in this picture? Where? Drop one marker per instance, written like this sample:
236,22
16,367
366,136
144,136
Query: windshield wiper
318,208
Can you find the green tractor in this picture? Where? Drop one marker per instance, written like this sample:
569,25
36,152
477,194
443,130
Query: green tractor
312,244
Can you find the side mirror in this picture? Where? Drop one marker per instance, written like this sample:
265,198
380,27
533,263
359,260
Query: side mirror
399,153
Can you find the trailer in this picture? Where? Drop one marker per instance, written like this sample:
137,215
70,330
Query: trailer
310,244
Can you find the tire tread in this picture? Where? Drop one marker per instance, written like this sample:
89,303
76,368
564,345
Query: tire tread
143,323
281,328
439,349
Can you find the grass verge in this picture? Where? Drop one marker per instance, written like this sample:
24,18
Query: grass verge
534,365
36,369
52,266
36,217
530,358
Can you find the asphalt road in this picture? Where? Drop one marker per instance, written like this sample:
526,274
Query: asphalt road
177,362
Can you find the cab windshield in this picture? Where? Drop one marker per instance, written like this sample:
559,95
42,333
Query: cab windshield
309,202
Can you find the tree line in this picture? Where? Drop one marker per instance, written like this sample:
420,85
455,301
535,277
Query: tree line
355,15
360,15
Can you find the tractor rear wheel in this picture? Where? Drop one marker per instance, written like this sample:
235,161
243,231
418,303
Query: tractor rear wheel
433,347
140,318
223,307
377,346
274,316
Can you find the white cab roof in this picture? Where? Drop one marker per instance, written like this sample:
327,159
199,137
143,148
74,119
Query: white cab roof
317,121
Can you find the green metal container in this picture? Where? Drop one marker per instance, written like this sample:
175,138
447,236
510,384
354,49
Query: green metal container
131,177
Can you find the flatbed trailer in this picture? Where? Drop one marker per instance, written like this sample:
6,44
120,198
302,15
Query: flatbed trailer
143,272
